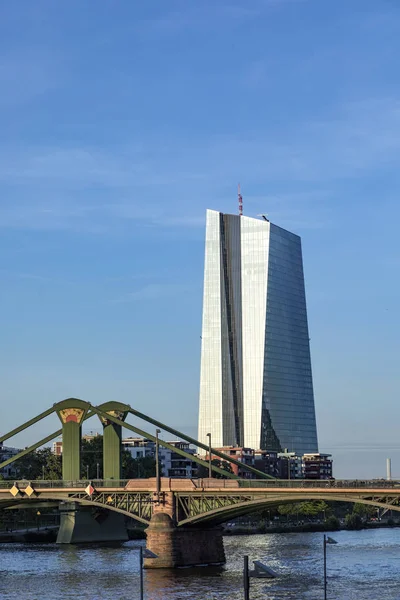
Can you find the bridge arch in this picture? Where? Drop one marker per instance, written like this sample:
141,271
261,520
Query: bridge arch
221,515
78,500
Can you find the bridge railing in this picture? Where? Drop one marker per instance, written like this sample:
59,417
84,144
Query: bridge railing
211,483
298,483
81,483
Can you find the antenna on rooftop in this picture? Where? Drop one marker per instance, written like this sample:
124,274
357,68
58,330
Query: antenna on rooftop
240,200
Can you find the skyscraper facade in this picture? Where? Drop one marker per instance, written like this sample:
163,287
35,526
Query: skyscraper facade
256,386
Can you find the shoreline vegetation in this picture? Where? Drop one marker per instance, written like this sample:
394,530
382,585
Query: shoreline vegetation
304,528
34,526
49,536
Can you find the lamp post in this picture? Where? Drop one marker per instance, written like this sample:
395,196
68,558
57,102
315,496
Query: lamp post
158,482
209,456
98,470
246,578
144,554
87,471
327,540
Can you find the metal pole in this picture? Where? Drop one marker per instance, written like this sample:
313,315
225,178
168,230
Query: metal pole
87,471
158,482
209,456
246,579
141,571
325,582
98,470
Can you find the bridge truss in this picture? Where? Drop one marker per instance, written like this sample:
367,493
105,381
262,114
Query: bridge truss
198,505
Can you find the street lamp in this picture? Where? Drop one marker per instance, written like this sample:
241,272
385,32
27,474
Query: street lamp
98,470
327,540
209,456
157,467
144,554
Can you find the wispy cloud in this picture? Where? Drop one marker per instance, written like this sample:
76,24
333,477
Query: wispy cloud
93,189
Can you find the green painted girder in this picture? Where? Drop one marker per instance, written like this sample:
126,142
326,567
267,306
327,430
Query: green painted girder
42,415
38,444
217,510
164,444
31,448
112,439
195,442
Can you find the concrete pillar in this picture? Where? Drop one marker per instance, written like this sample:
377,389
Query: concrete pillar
182,547
82,525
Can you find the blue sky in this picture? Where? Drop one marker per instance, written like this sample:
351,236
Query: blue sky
121,122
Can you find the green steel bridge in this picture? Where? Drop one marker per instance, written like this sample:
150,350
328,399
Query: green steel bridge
198,501
195,500
194,507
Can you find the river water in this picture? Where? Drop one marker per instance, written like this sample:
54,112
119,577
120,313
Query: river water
364,565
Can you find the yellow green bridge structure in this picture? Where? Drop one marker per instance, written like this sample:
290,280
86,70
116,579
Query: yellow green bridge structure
183,516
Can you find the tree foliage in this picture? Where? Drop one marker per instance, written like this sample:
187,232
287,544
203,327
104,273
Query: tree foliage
42,464
332,523
92,458
312,508
365,511
92,455
353,521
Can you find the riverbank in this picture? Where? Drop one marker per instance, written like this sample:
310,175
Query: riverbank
302,528
49,535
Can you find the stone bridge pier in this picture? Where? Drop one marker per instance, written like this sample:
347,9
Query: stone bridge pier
180,546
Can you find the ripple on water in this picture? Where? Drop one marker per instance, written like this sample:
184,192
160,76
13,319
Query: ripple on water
362,566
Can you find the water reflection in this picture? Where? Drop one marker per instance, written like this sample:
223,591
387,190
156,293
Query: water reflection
362,566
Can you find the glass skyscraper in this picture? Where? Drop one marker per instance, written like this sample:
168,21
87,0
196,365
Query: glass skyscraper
256,385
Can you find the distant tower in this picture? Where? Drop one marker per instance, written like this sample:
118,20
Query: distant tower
388,469
256,387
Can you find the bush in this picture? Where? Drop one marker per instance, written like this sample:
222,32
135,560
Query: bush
353,521
332,523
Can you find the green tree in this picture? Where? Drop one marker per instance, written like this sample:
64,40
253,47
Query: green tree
140,468
309,509
365,511
288,509
39,464
353,521
91,456
332,523
29,467
50,464
131,468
